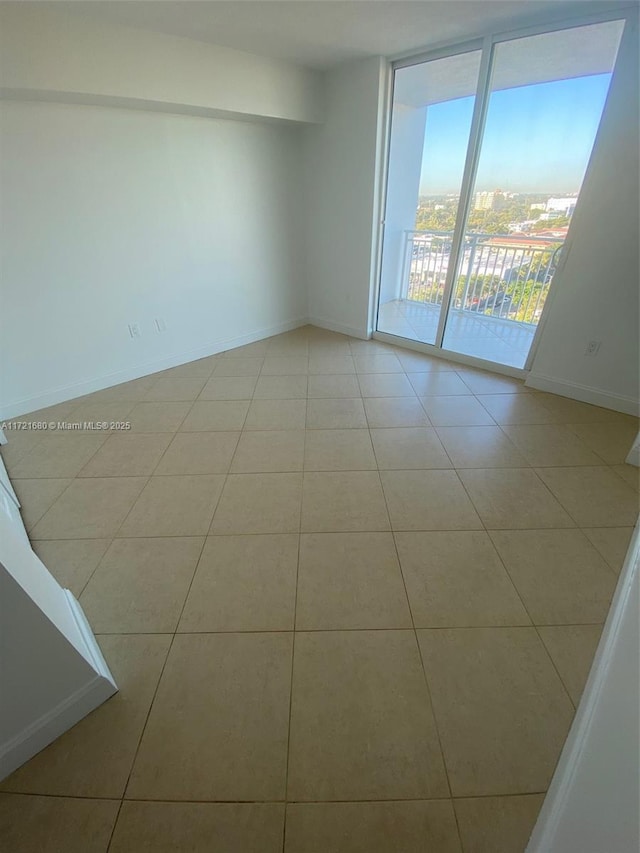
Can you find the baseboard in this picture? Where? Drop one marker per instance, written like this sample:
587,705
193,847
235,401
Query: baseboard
352,331
91,652
42,732
584,393
634,454
63,393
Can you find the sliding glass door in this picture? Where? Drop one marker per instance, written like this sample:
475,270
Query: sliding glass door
488,150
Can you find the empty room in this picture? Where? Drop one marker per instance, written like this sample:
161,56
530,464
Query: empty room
319,426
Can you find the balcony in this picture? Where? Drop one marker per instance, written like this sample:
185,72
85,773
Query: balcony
498,295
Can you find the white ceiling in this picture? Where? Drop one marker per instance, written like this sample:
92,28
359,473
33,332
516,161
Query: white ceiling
322,33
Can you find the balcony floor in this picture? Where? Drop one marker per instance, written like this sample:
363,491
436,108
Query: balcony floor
502,341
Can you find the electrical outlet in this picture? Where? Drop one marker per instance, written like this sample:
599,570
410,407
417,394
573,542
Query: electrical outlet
134,330
592,348
161,326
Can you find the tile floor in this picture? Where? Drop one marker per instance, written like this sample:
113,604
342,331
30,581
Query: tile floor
350,594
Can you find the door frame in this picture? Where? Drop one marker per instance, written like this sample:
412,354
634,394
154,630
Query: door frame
487,44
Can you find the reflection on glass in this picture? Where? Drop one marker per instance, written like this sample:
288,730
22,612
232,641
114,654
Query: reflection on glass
546,101
432,110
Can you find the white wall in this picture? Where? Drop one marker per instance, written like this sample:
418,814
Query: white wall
596,293
112,216
51,54
341,186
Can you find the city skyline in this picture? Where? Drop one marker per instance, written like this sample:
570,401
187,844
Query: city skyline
537,139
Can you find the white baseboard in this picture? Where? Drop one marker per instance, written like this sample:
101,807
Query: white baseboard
584,393
63,393
49,726
91,651
352,331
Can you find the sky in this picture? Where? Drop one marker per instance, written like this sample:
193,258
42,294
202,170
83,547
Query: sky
537,138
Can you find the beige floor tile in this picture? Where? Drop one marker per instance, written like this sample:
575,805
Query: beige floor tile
157,417
371,347
381,363
269,450
211,734
338,450
416,362
141,585
259,503
238,367
611,542
611,441
513,498
127,455
438,384
501,709
93,759
244,583
100,412
550,444
202,368
456,580
331,364
30,824
71,561
199,453
134,390
497,824
333,386
570,411
483,382
572,648
90,508
216,415
594,497
285,365
428,500
558,573
456,411
395,412
276,414
174,506
630,474
174,390
59,456
256,349
19,444
343,501
199,827
409,827
229,388
409,447
345,413
281,387
288,347
361,724
480,447
58,412
37,496
517,409
350,580
384,385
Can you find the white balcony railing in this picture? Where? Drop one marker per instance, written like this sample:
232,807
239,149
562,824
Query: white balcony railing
499,276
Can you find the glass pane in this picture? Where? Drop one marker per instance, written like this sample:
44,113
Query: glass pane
432,111
547,96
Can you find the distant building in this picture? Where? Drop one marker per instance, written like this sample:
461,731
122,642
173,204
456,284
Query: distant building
489,200
563,206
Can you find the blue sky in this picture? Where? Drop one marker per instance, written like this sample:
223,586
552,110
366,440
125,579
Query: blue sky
537,138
